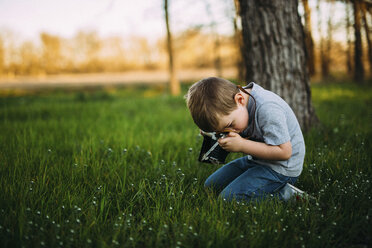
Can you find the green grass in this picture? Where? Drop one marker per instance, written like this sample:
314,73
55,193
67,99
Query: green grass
119,169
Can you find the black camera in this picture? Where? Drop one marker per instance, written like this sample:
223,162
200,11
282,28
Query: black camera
210,151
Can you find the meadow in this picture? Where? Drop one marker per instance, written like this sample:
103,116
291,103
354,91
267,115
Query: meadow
118,168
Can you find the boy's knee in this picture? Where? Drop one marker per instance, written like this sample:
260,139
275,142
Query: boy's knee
228,195
208,184
211,186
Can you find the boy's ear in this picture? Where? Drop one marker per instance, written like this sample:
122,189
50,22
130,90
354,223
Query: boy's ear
239,98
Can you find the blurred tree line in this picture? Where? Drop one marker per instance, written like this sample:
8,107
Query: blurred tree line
199,47
87,53
327,55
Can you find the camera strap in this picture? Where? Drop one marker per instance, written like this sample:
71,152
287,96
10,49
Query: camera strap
249,86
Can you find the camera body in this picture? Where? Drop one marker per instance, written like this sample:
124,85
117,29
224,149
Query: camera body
210,151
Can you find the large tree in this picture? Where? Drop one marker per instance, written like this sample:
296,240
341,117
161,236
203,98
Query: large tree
275,55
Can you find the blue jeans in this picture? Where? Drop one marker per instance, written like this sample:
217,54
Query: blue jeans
243,179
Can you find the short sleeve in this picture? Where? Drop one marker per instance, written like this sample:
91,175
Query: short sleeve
271,120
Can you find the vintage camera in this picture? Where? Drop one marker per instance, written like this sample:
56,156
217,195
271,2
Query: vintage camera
210,151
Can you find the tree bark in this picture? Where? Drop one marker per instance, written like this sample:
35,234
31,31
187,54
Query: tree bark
358,52
275,53
175,87
309,38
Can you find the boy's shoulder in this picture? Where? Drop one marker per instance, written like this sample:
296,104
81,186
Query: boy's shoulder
265,97
270,106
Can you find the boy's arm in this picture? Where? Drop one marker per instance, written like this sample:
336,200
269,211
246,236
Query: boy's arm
235,143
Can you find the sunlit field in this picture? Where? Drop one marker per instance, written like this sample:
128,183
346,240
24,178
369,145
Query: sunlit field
118,168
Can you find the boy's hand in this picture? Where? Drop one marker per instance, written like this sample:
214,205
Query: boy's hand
233,142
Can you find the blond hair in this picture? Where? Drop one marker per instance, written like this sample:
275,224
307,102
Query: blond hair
209,99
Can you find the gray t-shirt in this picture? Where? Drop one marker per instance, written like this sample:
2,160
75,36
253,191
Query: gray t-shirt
275,124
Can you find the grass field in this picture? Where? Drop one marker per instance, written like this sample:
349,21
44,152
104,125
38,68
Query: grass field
119,168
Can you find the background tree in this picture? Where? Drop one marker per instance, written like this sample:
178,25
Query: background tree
200,45
367,32
114,58
238,37
51,55
30,59
324,43
358,50
309,38
86,51
349,64
275,53
326,60
2,56
175,87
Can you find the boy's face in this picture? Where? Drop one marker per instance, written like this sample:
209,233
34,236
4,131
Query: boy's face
237,120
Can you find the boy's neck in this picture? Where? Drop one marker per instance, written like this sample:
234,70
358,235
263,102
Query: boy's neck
246,96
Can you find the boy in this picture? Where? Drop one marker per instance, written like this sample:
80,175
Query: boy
272,138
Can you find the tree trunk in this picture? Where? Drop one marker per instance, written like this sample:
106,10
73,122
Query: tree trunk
275,53
358,52
239,43
324,44
322,52
349,64
368,38
174,83
309,38
327,51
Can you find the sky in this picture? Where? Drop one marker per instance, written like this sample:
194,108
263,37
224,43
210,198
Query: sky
28,18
